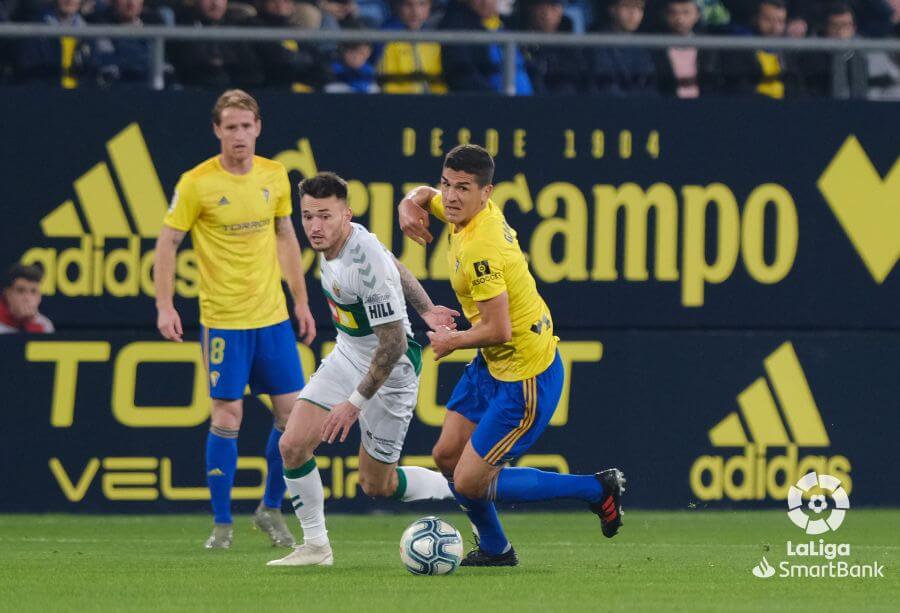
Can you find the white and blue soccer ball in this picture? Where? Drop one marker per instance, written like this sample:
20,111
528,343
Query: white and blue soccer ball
431,546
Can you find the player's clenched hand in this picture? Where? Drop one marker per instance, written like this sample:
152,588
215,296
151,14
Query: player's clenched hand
440,317
442,342
169,324
306,322
339,421
414,221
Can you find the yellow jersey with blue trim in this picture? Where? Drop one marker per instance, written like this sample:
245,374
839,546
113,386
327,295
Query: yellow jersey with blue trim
231,219
485,261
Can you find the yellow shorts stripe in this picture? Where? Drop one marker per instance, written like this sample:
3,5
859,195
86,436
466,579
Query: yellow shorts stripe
529,391
492,454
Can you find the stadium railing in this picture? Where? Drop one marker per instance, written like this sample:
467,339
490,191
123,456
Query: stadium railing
510,40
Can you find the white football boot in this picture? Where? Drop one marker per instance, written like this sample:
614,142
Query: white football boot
307,555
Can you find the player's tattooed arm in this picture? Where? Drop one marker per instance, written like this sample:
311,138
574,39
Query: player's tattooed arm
435,315
392,344
413,290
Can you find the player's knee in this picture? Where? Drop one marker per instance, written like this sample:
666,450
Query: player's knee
469,487
293,452
375,488
445,458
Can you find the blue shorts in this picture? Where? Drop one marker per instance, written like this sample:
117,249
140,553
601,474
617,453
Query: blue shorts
266,358
511,415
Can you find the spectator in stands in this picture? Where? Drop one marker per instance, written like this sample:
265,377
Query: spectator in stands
214,64
57,61
291,64
20,301
478,68
764,72
123,60
685,72
352,72
819,69
553,70
884,68
410,68
340,13
623,71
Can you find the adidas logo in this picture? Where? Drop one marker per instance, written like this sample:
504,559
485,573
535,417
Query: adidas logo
224,200
215,472
758,426
110,243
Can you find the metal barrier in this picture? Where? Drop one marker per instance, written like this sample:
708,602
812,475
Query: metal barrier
510,40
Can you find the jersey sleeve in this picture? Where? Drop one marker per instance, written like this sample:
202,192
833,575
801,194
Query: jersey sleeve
184,208
436,208
378,286
484,267
283,206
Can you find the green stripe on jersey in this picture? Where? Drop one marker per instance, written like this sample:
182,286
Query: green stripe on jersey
349,318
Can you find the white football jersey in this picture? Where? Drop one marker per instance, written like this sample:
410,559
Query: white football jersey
363,289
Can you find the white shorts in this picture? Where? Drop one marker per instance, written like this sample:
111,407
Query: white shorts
384,421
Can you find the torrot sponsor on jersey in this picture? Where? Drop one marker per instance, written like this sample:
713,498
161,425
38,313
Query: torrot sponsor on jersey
111,242
759,429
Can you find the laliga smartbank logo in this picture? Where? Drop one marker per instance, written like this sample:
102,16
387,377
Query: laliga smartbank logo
100,243
778,417
817,504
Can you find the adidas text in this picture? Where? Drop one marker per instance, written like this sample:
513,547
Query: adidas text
756,476
97,267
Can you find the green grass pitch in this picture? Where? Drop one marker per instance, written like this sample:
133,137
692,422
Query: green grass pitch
685,560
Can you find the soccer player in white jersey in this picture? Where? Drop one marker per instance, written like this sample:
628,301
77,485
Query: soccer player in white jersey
371,376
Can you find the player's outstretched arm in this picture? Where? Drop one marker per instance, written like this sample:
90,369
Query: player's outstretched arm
436,316
291,261
493,328
414,215
167,320
392,344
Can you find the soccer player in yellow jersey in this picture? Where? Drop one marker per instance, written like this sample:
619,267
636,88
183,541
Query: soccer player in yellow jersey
237,207
508,394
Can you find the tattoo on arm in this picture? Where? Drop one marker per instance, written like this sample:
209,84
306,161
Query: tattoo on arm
392,345
413,290
284,225
177,237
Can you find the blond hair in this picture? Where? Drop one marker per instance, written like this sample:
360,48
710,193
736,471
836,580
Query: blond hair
235,99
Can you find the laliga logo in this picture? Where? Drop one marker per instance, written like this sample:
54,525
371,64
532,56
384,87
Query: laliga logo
818,503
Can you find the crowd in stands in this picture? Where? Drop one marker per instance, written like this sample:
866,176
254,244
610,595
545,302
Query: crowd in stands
413,68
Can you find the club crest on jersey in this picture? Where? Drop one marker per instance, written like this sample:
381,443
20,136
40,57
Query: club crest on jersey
265,193
457,265
336,289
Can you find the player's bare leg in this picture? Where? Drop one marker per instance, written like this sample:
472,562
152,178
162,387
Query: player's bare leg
225,422
302,435
455,433
268,519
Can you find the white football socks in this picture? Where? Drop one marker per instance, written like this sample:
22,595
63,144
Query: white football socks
308,499
417,483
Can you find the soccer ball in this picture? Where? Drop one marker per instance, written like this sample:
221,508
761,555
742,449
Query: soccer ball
431,546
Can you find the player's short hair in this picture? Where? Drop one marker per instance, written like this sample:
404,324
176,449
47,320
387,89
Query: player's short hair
234,99
29,272
472,159
324,185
